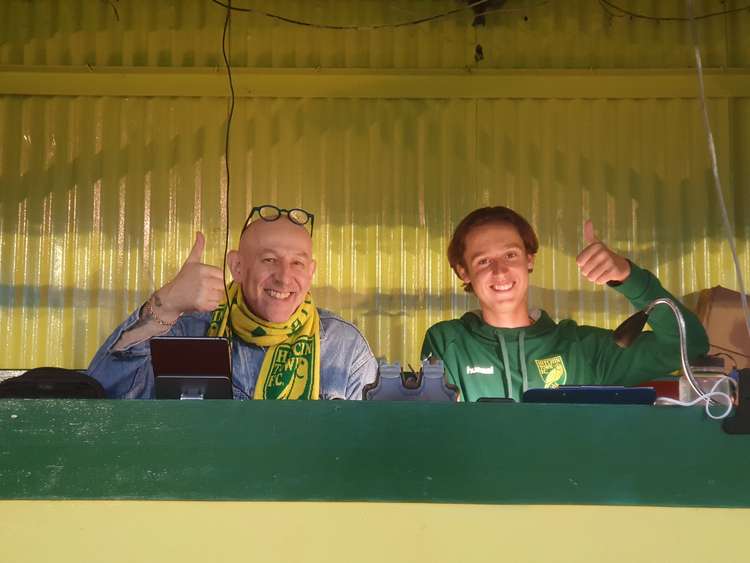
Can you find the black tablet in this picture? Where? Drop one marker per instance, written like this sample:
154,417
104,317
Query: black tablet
592,394
191,367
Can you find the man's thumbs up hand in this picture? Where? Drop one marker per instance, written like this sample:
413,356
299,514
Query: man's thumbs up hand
196,287
196,253
589,234
597,262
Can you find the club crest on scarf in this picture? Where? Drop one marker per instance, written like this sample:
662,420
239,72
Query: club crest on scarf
289,370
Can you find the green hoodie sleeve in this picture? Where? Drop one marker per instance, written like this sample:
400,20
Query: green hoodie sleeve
655,353
436,341
428,348
433,344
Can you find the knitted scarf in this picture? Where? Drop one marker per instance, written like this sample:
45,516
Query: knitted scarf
291,366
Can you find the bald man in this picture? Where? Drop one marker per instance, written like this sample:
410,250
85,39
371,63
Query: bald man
283,346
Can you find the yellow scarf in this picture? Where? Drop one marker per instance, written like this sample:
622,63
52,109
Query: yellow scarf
291,366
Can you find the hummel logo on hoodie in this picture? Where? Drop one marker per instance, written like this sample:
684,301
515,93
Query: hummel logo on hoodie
483,371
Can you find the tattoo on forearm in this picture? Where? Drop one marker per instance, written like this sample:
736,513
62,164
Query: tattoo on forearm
143,319
157,301
139,323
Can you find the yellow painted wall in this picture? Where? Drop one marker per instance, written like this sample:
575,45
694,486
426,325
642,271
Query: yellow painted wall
111,153
120,531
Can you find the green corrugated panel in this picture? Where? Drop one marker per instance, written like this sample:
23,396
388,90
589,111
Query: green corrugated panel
529,34
101,197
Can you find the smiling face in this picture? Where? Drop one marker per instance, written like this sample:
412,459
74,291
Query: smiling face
274,266
496,264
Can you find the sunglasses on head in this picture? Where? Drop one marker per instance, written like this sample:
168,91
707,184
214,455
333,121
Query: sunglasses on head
272,213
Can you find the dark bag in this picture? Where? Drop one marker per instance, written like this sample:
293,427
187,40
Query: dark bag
52,383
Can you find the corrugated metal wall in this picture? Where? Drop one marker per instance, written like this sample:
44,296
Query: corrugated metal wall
100,196
526,34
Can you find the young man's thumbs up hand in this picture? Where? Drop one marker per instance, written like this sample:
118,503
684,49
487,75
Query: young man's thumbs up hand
597,262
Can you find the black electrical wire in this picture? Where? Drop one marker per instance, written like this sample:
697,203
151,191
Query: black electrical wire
632,14
495,10
114,9
729,350
225,40
612,9
729,356
406,23
609,12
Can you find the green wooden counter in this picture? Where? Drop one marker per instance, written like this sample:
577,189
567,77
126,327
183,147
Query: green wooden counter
346,451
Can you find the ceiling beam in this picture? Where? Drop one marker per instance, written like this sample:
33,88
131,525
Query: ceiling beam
365,83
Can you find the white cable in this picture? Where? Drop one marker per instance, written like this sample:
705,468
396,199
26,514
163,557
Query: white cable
713,394
715,167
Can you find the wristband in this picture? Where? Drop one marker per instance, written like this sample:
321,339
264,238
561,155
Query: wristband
151,313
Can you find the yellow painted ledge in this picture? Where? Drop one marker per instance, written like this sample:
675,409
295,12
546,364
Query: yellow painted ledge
114,531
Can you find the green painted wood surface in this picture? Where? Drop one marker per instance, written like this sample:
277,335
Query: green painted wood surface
475,453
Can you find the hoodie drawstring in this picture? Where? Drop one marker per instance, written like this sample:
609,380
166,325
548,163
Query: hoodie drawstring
508,381
506,363
522,354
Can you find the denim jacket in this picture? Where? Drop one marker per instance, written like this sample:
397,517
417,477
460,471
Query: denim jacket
346,361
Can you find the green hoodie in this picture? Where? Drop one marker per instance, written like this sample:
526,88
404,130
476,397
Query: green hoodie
484,361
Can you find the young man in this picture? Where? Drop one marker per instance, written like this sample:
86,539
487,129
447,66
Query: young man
283,346
504,349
